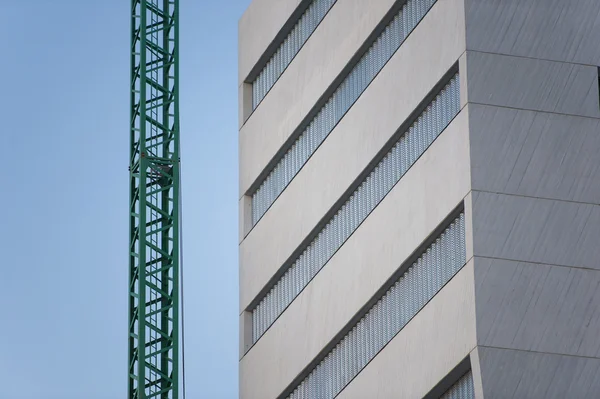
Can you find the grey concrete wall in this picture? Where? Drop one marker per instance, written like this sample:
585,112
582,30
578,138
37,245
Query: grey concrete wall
536,230
537,85
513,374
428,192
537,307
370,123
558,30
535,154
535,139
523,154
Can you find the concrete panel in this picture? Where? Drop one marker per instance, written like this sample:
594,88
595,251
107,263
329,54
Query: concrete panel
535,154
245,216
464,91
536,230
244,103
548,29
340,35
258,26
377,115
512,374
533,84
537,307
476,370
468,204
245,336
433,187
426,350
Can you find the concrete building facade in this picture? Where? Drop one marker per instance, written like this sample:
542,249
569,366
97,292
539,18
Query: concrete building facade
419,199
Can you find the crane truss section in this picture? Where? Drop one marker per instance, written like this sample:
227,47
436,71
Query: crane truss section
154,202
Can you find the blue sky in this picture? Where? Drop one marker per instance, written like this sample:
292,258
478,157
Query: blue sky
64,107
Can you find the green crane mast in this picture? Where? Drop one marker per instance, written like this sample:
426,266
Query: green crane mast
154,201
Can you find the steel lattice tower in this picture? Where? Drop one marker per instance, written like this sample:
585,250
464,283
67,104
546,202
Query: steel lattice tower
154,201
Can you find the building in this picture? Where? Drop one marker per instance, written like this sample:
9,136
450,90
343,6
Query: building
419,190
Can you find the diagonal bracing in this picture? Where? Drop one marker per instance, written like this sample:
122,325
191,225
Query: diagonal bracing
154,203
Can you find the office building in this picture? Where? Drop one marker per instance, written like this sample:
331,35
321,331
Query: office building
419,199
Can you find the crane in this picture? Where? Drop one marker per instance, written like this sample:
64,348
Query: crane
154,208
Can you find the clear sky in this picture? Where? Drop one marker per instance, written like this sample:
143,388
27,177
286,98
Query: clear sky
64,106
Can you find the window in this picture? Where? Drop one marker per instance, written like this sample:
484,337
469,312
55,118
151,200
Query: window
381,179
287,50
462,389
382,49
392,311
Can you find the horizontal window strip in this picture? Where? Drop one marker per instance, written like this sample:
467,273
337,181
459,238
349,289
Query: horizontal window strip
288,49
382,178
462,389
384,46
396,307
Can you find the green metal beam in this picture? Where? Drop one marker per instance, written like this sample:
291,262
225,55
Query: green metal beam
154,174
